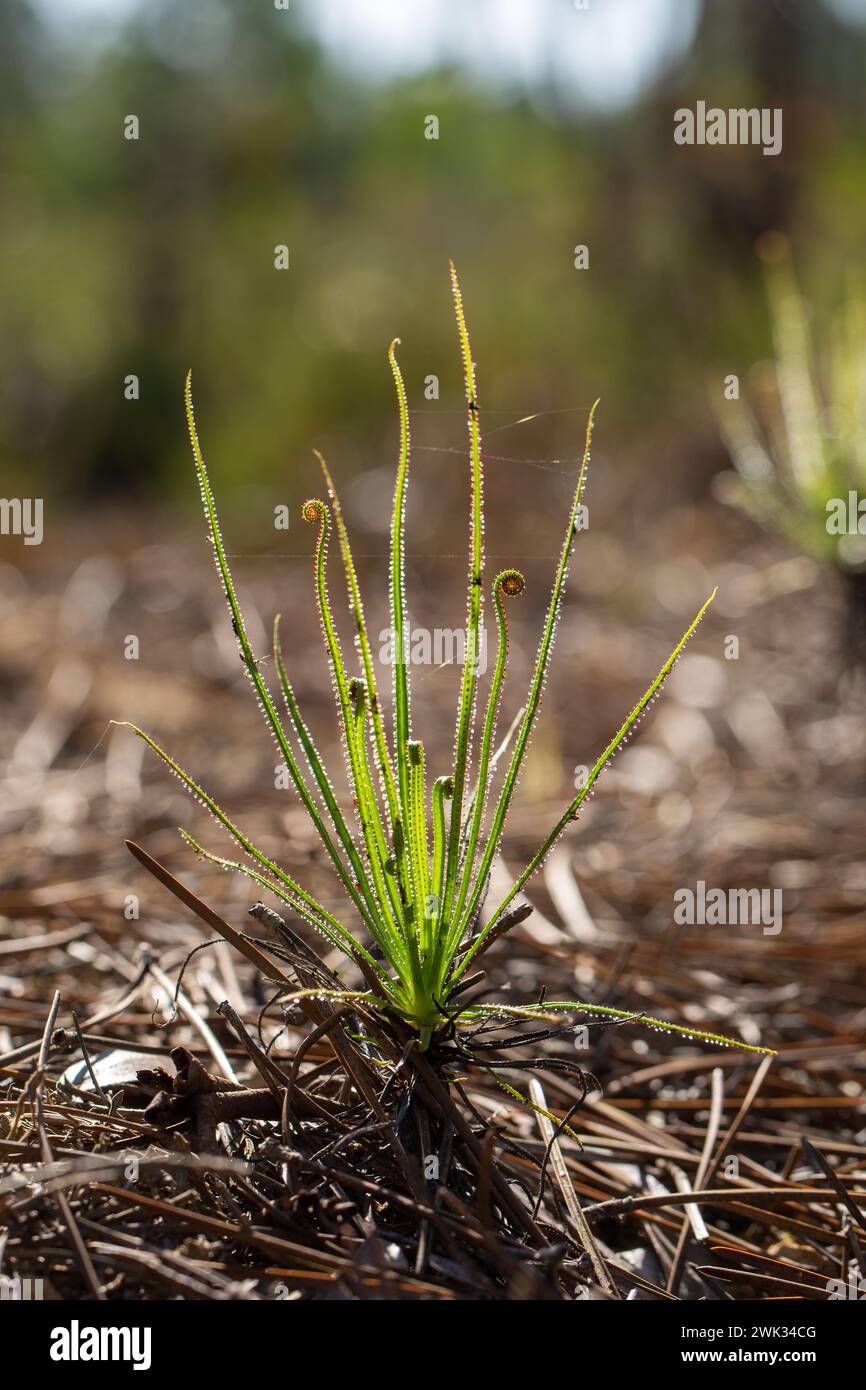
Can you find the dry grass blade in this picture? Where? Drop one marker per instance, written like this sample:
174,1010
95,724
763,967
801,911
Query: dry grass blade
207,914
560,1169
81,1252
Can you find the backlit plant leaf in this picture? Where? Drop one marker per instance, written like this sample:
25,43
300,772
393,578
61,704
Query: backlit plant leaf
417,869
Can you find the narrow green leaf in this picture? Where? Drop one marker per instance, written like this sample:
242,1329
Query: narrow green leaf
393,909
533,702
474,606
266,704
508,584
443,788
356,605
321,776
572,811
301,900
402,714
315,512
419,848
329,928
540,1011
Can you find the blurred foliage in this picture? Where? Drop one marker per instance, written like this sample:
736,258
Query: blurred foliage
799,459
151,256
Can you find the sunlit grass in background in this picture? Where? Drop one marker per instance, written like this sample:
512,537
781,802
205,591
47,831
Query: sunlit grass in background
800,453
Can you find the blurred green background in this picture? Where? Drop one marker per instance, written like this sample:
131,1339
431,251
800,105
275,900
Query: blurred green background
306,127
